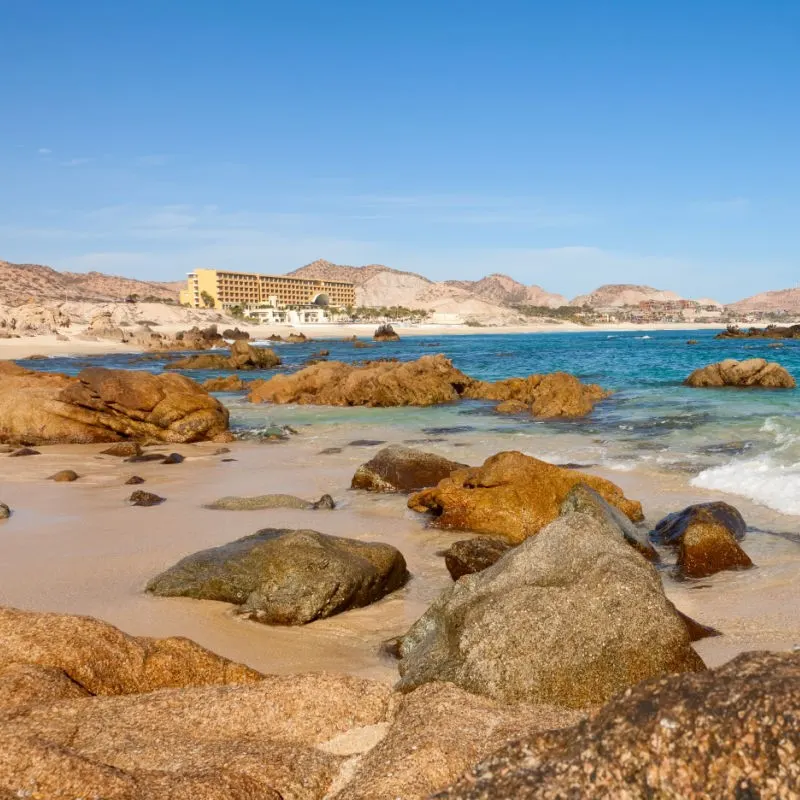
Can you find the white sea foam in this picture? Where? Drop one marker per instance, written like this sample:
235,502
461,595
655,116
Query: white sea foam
760,479
772,478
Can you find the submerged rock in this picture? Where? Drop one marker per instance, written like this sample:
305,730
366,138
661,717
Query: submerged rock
287,577
174,458
706,537
402,469
729,733
755,372
23,451
468,556
64,476
264,501
5,511
570,617
106,405
141,498
144,458
243,356
512,495
134,480
230,383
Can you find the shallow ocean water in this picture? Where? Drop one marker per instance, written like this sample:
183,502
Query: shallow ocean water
743,442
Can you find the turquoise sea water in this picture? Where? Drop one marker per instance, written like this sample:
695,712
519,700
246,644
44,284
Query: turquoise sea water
745,442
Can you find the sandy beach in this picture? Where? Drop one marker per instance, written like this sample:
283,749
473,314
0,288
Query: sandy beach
50,345
80,548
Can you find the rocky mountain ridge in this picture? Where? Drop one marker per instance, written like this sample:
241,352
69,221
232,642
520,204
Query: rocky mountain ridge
496,295
22,283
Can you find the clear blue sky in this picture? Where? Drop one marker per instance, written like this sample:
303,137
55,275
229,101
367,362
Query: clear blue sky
565,143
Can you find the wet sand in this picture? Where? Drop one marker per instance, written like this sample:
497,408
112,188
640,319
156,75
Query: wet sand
79,548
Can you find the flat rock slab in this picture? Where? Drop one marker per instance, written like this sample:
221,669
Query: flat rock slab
287,577
264,501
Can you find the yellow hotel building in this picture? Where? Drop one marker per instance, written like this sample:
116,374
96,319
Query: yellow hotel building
251,288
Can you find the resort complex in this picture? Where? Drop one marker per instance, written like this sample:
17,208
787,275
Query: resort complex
268,297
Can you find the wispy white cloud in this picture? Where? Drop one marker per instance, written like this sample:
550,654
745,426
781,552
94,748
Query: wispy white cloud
76,162
44,151
733,206
153,160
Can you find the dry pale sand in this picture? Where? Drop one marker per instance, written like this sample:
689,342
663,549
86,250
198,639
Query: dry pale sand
50,346
79,548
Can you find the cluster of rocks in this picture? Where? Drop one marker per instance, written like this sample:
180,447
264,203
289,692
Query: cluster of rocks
559,668
430,380
104,326
243,356
385,333
754,372
31,319
511,495
292,338
770,332
105,405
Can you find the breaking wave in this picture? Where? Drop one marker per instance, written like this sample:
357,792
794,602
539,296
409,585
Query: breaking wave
771,478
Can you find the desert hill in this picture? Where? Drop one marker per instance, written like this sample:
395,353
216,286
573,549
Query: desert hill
623,294
505,291
378,285
20,283
779,300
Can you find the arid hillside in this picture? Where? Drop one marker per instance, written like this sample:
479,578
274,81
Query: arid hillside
780,300
377,285
23,283
622,294
504,290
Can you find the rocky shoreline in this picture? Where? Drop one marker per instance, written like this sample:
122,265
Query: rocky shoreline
553,648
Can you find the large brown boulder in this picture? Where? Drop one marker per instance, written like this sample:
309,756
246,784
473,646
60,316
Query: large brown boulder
756,372
705,536
243,356
730,733
265,741
287,577
571,617
402,469
557,394
99,659
512,495
437,732
105,405
430,380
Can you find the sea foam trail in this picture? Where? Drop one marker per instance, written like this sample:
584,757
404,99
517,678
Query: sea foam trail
772,478
759,479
